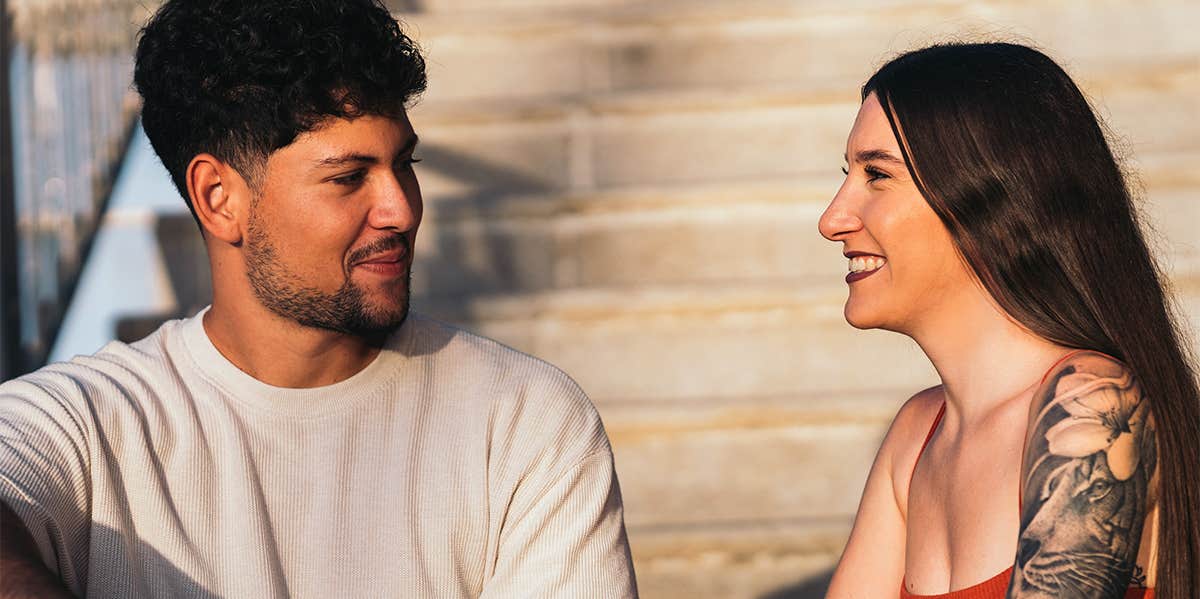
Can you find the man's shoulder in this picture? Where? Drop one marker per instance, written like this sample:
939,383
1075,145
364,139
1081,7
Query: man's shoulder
118,368
469,351
524,392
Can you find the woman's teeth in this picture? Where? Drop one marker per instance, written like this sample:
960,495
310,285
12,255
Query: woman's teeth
866,263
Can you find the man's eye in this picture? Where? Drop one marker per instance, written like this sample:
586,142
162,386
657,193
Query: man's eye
408,163
351,179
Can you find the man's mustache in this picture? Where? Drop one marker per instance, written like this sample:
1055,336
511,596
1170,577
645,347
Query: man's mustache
379,246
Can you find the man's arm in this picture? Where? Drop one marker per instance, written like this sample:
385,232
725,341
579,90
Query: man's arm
22,573
1090,458
44,484
569,540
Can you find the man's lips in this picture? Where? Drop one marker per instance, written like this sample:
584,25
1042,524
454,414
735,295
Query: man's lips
390,263
382,253
391,257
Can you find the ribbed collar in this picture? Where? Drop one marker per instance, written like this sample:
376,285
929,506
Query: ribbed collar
303,403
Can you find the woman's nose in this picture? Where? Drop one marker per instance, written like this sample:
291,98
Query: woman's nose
839,218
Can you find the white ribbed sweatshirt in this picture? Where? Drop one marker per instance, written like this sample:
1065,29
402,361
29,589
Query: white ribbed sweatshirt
451,466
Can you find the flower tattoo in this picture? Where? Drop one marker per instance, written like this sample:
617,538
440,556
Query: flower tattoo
1104,415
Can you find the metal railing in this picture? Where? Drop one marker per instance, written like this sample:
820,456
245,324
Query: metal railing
68,67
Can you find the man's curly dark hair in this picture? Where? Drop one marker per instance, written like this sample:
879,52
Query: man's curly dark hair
240,79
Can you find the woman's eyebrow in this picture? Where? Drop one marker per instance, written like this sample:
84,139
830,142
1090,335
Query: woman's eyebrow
878,155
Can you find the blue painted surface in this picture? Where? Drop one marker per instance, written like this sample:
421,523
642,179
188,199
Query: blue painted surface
125,274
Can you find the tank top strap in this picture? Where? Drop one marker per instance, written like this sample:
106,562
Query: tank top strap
1060,361
928,437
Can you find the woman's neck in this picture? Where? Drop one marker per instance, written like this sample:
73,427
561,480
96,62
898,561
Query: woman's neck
983,357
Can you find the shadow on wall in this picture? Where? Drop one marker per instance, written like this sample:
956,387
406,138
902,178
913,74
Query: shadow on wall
480,249
813,588
405,5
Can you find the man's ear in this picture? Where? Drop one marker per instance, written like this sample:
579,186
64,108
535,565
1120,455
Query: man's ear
220,196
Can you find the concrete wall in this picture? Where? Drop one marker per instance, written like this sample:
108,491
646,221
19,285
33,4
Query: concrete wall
630,190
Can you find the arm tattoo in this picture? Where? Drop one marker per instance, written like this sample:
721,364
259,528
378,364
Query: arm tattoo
1089,459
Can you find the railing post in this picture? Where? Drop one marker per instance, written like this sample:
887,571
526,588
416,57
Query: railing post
12,361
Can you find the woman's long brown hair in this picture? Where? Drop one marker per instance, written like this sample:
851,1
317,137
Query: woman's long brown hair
1009,154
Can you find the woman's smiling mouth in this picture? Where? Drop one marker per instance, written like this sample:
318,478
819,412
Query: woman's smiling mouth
863,265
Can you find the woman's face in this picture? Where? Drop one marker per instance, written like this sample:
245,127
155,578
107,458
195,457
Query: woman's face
903,265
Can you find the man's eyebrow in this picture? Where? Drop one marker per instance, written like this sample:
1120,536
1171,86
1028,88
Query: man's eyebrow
345,159
356,158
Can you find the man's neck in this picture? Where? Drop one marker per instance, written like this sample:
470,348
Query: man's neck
281,352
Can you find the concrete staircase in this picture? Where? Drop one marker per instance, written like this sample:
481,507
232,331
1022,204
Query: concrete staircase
630,190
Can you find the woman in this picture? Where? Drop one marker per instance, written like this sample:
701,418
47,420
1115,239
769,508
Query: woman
984,216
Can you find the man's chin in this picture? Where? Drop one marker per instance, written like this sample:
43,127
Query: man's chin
378,322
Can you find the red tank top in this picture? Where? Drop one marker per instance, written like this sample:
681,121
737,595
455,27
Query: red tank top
995,587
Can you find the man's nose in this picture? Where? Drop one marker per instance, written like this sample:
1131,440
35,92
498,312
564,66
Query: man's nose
397,204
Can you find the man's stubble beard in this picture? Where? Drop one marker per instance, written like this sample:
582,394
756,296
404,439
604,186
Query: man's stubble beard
344,311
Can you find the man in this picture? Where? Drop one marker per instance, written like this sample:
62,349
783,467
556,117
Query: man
304,436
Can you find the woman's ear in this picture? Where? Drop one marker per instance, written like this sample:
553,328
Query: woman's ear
219,196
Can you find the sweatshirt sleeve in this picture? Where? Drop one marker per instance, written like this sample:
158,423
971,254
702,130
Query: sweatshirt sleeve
45,468
570,541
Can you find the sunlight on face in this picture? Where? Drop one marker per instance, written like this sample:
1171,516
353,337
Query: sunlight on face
330,238
903,263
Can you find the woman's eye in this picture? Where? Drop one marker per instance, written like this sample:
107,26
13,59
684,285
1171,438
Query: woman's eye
351,179
845,171
874,174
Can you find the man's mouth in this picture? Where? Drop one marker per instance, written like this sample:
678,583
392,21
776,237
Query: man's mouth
388,249
391,257
388,256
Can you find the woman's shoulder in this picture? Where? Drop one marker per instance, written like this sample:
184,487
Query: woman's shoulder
1085,363
906,436
916,416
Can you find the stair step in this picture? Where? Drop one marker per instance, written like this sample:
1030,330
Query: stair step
720,234
720,461
510,53
692,138
757,559
679,342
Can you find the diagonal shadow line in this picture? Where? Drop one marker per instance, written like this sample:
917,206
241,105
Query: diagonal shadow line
479,173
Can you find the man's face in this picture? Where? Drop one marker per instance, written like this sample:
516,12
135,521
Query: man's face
331,233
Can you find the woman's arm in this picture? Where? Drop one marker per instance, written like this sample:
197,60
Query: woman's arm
872,565
1090,458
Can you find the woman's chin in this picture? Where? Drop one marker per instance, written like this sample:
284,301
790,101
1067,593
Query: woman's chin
861,316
